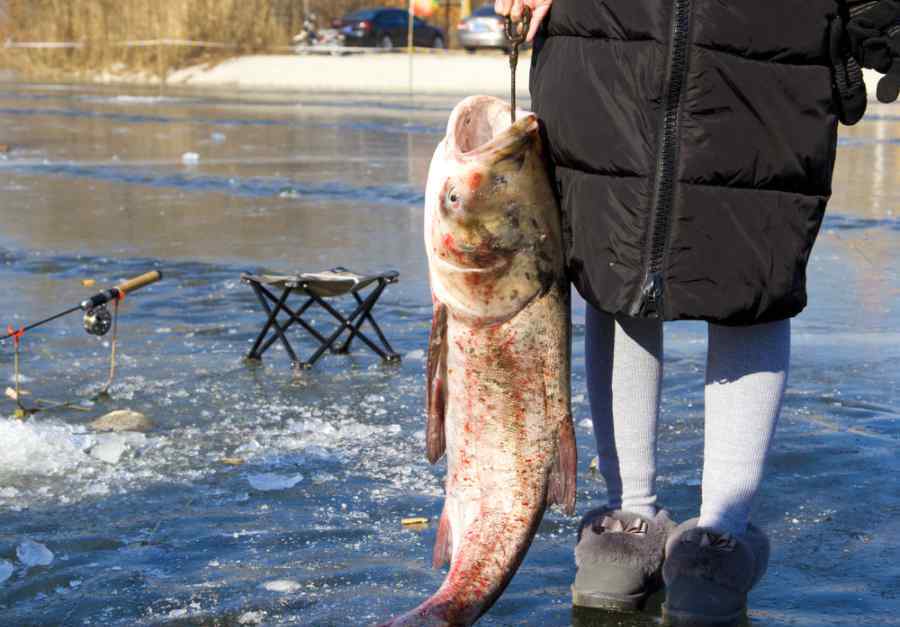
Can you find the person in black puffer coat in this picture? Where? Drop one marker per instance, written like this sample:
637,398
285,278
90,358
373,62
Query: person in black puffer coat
692,144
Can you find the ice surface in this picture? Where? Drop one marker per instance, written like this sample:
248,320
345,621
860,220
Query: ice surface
270,481
353,428
33,553
6,570
281,585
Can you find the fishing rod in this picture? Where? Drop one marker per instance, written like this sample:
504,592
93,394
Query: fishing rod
97,319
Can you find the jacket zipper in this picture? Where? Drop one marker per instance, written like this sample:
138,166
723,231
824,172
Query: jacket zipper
649,301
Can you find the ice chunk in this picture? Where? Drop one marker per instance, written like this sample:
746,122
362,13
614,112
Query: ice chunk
252,618
109,448
248,447
190,158
217,137
33,553
318,452
415,355
270,481
6,570
8,493
587,423
288,193
281,585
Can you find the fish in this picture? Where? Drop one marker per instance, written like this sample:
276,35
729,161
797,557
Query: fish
498,394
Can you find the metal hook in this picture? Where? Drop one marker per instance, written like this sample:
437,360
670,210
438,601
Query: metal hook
517,32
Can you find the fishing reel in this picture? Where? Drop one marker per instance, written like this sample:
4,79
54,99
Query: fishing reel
97,320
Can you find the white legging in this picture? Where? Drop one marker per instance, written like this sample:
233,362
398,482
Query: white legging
746,372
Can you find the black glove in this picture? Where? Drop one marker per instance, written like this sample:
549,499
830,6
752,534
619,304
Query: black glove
873,31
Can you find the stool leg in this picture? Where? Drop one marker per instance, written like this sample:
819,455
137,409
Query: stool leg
346,323
345,347
255,352
390,355
272,322
295,317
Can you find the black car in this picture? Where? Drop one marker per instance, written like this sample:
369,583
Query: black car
387,28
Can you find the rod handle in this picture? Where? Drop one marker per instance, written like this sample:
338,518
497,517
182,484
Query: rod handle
138,282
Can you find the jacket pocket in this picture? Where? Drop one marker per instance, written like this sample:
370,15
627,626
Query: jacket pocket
846,74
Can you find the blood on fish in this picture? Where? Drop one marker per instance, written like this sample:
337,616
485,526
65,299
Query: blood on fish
500,396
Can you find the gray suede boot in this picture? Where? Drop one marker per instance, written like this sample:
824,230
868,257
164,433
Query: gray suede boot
619,556
708,574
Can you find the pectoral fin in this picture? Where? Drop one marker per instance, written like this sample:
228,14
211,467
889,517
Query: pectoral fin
561,490
436,397
443,549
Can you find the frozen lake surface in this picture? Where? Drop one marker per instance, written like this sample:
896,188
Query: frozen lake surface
105,184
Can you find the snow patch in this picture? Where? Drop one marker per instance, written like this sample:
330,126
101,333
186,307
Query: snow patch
40,448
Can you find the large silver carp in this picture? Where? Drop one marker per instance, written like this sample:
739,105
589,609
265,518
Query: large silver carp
498,394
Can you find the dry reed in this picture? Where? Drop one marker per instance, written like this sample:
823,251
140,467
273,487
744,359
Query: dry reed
103,26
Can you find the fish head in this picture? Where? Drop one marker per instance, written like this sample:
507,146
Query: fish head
492,221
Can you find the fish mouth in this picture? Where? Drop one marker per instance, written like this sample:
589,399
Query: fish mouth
499,266
480,128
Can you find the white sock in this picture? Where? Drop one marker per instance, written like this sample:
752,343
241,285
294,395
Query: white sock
623,363
746,373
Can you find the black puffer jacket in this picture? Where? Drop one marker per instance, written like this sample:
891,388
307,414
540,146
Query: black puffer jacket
694,143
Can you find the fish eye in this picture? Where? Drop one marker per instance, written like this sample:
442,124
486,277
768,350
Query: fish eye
452,196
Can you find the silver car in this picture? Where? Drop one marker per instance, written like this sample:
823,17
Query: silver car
483,29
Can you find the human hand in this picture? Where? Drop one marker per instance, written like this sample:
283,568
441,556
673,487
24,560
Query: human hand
874,37
515,8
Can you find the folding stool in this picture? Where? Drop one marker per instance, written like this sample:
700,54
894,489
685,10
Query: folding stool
316,287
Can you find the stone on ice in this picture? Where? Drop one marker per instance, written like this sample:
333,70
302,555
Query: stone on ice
122,420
